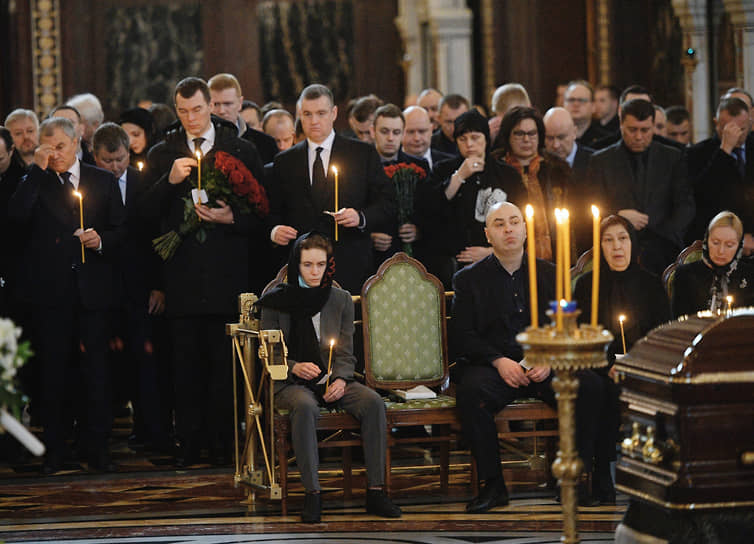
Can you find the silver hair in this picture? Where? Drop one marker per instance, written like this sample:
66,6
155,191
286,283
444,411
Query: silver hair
20,113
89,107
48,127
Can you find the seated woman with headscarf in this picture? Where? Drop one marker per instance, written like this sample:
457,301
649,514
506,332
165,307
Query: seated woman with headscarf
452,207
722,272
311,312
628,290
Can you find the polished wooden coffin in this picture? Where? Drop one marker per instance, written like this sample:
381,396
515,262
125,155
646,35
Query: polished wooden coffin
688,413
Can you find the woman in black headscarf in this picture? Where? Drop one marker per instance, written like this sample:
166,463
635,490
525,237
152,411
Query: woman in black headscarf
625,289
312,313
138,124
706,284
451,209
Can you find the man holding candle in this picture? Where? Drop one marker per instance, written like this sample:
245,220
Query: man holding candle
491,305
302,193
203,278
68,299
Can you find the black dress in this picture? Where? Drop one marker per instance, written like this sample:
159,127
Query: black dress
693,287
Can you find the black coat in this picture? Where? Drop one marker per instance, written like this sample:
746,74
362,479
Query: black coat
202,278
665,195
50,271
362,185
693,281
441,143
718,185
264,143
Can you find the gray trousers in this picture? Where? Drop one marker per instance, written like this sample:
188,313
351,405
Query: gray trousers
361,402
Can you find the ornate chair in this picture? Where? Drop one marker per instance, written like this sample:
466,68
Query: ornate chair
689,254
405,345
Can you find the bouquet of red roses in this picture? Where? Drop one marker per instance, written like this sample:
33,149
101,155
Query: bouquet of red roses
228,180
405,176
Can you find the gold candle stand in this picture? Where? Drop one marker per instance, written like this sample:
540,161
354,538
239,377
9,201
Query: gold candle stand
566,351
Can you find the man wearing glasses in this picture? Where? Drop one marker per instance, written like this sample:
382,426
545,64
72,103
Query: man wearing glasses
579,101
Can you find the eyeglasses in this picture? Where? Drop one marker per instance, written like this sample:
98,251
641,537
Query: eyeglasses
520,134
574,100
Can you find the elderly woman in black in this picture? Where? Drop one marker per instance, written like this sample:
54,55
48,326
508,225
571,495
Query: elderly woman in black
722,272
544,178
625,290
452,207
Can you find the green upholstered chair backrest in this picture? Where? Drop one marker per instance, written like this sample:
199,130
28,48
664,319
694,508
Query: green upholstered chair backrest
690,254
403,314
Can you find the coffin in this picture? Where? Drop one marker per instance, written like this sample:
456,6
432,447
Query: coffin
688,413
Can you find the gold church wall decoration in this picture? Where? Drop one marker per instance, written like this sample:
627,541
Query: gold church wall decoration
46,60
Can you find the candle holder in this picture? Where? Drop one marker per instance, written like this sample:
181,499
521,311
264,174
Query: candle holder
568,349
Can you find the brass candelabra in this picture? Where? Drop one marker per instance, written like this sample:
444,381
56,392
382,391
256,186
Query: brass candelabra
566,350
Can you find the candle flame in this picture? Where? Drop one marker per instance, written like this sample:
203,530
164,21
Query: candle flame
334,169
563,303
529,211
621,318
140,165
332,342
557,215
198,154
564,214
76,193
595,211
729,299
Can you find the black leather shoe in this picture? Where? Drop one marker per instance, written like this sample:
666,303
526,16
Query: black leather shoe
379,504
493,494
312,512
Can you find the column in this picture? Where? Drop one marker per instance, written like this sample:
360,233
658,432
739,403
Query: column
450,24
742,17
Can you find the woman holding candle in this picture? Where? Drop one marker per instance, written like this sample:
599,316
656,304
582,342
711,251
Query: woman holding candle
625,289
312,313
705,284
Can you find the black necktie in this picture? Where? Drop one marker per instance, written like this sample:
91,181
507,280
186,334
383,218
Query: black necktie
740,161
198,145
318,172
66,177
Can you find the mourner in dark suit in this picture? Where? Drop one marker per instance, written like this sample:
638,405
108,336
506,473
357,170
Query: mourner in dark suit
450,107
303,192
204,276
387,132
11,172
647,183
417,137
491,306
140,295
312,313
722,170
68,298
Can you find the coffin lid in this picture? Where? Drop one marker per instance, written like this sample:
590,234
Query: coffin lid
696,349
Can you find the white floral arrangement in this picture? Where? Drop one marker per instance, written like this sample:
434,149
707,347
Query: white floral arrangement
13,355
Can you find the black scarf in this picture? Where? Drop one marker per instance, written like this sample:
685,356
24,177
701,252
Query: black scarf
718,290
301,303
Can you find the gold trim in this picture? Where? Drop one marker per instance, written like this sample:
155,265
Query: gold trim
603,26
705,378
681,506
488,30
45,52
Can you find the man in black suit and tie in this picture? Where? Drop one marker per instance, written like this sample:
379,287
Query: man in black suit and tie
140,292
647,183
387,133
202,278
417,137
723,171
69,298
304,191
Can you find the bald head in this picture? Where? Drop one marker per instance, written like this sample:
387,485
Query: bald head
506,231
418,133
502,209
560,132
429,99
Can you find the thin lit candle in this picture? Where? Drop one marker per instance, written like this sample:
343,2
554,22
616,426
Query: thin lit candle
329,365
595,263
335,172
558,268
140,166
729,299
81,222
621,319
566,253
199,170
531,249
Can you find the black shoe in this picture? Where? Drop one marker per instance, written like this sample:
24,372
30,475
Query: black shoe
379,504
101,462
312,512
493,494
52,464
186,454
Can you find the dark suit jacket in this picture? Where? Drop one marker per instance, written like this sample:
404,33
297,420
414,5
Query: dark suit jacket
718,184
202,278
441,143
593,134
581,161
665,195
336,321
362,185
264,143
616,137
480,331
51,272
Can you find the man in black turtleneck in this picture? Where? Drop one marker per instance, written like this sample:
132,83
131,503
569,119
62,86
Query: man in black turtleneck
647,183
